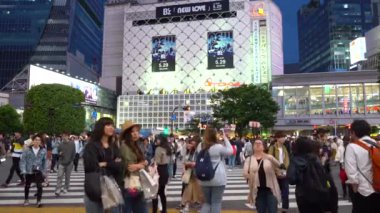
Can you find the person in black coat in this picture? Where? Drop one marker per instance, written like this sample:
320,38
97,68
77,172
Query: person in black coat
101,154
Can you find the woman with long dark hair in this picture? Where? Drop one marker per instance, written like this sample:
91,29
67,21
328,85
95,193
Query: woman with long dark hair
134,161
101,153
161,158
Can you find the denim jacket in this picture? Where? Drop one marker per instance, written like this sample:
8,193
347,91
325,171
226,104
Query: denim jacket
30,161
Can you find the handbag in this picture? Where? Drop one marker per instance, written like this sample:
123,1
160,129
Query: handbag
111,193
149,182
186,176
92,186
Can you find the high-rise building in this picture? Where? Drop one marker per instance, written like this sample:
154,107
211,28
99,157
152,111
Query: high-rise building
376,12
326,29
64,35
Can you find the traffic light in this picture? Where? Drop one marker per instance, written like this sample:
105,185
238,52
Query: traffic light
166,131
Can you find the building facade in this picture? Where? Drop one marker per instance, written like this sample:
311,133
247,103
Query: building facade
326,99
64,35
373,49
191,49
326,29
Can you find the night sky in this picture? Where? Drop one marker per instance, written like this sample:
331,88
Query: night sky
289,10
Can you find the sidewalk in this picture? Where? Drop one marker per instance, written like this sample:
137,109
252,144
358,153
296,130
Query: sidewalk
76,210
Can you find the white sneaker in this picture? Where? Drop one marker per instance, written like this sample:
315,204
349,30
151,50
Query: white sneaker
250,206
185,209
64,191
26,203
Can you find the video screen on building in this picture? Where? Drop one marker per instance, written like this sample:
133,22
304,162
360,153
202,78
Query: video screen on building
163,53
220,50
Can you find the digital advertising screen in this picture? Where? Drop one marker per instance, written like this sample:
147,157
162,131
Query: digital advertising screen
220,50
163,53
38,75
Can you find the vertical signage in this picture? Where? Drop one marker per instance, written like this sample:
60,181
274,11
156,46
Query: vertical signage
256,52
263,52
163,53
220,50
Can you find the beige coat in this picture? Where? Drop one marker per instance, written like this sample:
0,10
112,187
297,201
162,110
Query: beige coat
270,164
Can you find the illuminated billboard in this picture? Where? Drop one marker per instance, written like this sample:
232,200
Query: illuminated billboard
220,50
38,75
163,53
358,50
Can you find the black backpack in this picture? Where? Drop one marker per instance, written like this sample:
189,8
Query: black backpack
203,166
315,187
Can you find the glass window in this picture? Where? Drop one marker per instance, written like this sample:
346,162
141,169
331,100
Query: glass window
303,101
330,99
316,100
290,101
344,99
357,99
372,98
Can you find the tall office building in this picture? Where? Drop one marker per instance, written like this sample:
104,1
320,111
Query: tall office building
376,12
326,29
64,35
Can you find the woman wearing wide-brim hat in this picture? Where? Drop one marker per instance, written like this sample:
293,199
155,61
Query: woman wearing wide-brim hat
134,161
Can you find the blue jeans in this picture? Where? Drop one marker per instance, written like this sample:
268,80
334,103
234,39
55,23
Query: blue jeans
232,161
96,207
135,204
266,202
284,186
213,199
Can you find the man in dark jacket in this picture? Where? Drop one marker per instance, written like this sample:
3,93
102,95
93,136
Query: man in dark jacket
66,151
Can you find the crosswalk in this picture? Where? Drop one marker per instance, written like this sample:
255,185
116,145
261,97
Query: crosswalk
236,191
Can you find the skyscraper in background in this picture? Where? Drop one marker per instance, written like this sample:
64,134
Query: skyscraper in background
325,30
64,35
376,12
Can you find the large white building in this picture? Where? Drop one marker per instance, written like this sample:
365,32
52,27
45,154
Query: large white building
188,47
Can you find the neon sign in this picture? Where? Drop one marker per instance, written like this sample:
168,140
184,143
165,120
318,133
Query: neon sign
210,83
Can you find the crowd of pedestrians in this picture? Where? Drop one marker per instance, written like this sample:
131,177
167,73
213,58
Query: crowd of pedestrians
269,166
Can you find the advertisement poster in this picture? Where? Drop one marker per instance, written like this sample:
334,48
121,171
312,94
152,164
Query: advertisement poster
220,50
163,53
192,9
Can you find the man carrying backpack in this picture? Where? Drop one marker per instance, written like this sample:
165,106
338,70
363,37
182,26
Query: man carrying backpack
362,164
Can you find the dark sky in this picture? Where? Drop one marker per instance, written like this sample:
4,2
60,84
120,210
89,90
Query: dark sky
289,10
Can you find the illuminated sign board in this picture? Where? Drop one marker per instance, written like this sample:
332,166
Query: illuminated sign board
358,50
258,10
192,9
220,50
38,75
210,83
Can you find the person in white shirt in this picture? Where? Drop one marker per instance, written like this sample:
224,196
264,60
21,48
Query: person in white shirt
78,151
358,167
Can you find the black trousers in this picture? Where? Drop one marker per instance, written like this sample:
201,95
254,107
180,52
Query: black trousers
76,161
36,178
15,167
163,180
54,161
370,204
175,167
306,207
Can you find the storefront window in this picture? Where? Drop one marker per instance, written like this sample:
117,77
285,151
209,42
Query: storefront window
316,100
344,99
357,99
290,101
330,99
303,101
278,96
372,98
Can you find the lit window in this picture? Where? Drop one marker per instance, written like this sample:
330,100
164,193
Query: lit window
345,6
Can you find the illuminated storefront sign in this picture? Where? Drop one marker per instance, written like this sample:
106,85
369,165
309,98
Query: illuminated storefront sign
210,83
258,10
192,9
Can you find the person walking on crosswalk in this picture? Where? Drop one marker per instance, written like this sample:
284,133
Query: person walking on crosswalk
260,170
33,165
66,152
280,152
213,189
17,149
162,156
